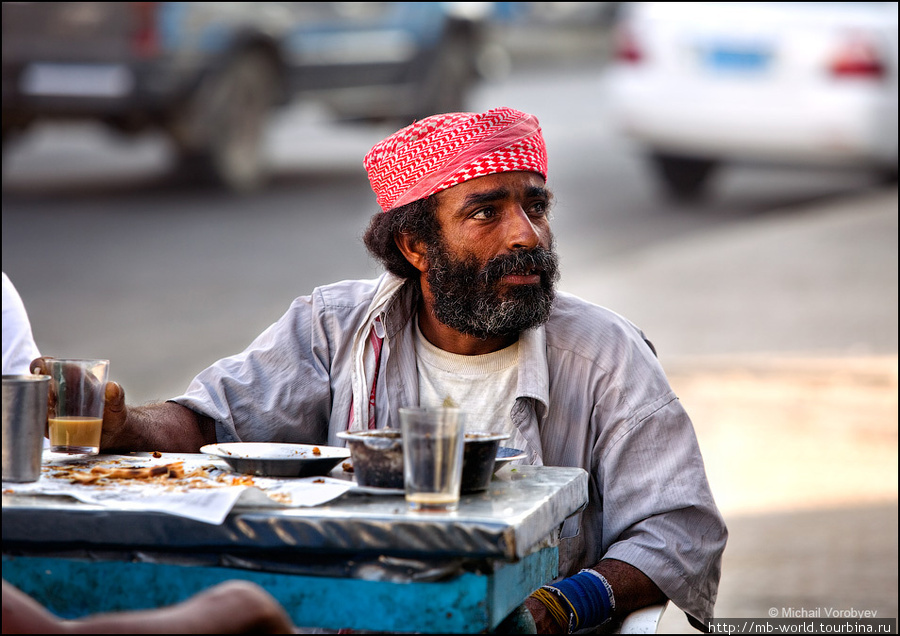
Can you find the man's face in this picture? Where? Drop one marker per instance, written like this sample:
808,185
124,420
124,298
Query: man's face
494,269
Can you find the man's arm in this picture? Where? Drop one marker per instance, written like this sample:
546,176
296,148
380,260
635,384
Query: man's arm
167,426
155,427
632,590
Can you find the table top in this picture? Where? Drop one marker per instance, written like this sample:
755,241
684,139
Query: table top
521,508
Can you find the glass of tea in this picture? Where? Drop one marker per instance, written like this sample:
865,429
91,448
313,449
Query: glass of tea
75,410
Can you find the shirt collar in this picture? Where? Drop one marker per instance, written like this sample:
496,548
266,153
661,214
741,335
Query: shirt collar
401,308
534,375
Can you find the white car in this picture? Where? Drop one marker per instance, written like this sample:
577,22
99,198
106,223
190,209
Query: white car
699,84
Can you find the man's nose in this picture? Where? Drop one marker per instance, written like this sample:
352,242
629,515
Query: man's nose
521,232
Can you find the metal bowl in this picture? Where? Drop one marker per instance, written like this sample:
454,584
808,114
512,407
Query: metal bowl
278,460
378,458
479,456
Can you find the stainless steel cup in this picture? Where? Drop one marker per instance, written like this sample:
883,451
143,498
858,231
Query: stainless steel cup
24,420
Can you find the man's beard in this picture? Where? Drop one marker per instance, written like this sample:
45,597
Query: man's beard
469,297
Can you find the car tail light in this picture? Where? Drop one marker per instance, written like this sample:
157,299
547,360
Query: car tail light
858,57
626,47
146,37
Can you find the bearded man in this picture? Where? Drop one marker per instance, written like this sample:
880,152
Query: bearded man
467,310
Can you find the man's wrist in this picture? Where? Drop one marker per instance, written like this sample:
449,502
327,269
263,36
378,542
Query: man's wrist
578,602
554,607
544,622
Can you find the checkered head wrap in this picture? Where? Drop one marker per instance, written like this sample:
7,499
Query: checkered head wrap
442,151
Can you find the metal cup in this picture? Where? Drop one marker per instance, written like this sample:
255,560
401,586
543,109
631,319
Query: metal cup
24,420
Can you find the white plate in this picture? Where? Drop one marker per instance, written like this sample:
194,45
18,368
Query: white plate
278,460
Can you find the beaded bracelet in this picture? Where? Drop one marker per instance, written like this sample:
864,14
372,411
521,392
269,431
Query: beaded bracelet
580,601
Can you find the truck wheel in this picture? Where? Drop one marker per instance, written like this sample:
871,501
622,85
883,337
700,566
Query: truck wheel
224,132
685,178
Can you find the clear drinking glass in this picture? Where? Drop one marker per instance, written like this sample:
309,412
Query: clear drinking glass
433,440
77,398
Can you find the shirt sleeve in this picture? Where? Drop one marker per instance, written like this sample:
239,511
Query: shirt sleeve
277,389
613,412
659,511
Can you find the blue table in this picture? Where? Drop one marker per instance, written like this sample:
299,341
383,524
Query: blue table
360,561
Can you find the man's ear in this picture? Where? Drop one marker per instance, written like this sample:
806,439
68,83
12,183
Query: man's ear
412,249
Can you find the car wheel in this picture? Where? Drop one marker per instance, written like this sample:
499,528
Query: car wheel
222,134
683,177
448,81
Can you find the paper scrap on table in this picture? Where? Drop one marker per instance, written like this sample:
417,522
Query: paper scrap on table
209,503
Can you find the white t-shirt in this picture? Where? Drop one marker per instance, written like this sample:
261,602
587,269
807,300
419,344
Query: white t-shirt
19,348
483,386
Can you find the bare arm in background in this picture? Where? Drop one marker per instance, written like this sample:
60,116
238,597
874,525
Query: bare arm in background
233,607
166,426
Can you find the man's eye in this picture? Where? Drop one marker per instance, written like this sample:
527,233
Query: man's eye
539,208
484,213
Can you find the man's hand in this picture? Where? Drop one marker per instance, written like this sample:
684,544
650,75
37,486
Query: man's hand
114,412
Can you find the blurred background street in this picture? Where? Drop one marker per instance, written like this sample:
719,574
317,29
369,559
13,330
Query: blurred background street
772,299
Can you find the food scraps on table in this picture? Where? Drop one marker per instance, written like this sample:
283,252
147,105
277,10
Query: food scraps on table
162,474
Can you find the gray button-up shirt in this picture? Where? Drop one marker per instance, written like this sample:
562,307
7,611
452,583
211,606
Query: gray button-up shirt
591,394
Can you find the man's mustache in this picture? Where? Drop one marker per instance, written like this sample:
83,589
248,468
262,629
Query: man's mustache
536,261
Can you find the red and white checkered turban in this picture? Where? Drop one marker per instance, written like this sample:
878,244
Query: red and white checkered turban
441,151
